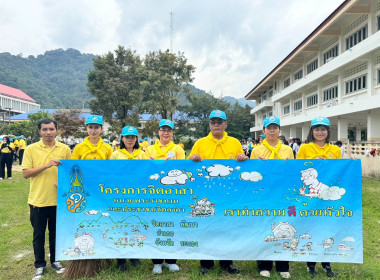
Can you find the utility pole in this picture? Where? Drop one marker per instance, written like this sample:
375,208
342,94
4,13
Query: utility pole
171,31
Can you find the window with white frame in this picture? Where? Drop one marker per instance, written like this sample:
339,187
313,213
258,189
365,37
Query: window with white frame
330,93
298,75
356,84
378,76
312,100
357,37
378,23
264,95
297,106
286,109
312,66
330,54
287,83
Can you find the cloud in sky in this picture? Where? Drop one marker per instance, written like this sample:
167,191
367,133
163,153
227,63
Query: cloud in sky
232,44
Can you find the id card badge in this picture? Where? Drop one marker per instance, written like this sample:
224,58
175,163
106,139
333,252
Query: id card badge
170,155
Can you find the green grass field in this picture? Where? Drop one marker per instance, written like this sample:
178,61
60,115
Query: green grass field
17,252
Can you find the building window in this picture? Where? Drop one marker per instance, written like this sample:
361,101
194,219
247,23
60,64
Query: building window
330,93
356,37
298,75
356,84
297,105
312,66
330,54
378,76
312,100
286,109
287,83
264,95
378,23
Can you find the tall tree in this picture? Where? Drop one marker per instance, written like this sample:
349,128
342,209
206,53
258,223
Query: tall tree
115,83
70,122
165,74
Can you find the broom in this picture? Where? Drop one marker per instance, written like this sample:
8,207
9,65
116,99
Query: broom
85,268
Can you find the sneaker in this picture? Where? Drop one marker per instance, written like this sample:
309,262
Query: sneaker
58,267
172,266
157,269
135,262
1,179
39,273
203,270
311,270
9,178
285,275
328,271
232,269
265,273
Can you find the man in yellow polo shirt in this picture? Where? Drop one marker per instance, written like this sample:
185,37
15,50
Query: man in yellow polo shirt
21,149
145,144
218,145
40,165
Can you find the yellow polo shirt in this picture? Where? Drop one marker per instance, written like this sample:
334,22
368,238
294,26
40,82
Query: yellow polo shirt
42,192
211,148
176,152
145,145
16,143
120,155
309,151
261,151
82,148
22,144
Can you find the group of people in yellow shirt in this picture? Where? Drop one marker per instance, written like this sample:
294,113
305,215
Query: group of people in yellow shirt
9,148
42,159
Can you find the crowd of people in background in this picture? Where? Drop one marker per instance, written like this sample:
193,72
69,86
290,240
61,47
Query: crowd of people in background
42,158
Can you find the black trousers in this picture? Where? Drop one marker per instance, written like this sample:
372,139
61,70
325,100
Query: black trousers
210,263
6,160
161,261
281,266
20,155
40,217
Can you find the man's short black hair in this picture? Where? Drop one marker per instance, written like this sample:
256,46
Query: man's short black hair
47,121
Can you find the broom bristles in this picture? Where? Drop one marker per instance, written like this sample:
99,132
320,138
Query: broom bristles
85,268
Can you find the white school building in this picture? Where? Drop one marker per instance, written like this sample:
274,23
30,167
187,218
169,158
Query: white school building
334,72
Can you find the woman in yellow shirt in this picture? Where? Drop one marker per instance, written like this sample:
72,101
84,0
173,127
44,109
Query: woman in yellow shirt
92,147
271,148
129,149
319,147
6,153
164,149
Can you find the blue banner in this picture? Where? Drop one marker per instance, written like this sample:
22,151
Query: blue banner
296,210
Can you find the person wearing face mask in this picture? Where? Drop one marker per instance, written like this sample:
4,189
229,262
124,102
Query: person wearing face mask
217,145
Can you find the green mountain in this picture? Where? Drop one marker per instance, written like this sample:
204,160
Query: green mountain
58,78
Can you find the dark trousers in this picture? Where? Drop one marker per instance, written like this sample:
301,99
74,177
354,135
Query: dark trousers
281,266
161,261
40,217
6,160
20,156
210,263
324,264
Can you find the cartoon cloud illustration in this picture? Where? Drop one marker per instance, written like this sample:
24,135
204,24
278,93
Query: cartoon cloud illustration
177,177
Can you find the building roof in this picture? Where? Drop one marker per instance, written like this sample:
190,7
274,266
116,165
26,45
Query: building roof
335,14
24,116
15,93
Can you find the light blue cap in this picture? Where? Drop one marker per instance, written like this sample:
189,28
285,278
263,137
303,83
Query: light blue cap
218,114
270,120
140,140
146,138
320,121
129,130
249,139
96,119
166,122
262,136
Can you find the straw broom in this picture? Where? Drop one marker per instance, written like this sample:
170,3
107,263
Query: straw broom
85,268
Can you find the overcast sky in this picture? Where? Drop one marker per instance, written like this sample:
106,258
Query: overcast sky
233,44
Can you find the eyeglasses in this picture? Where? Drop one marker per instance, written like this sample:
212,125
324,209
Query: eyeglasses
166,130
218,122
